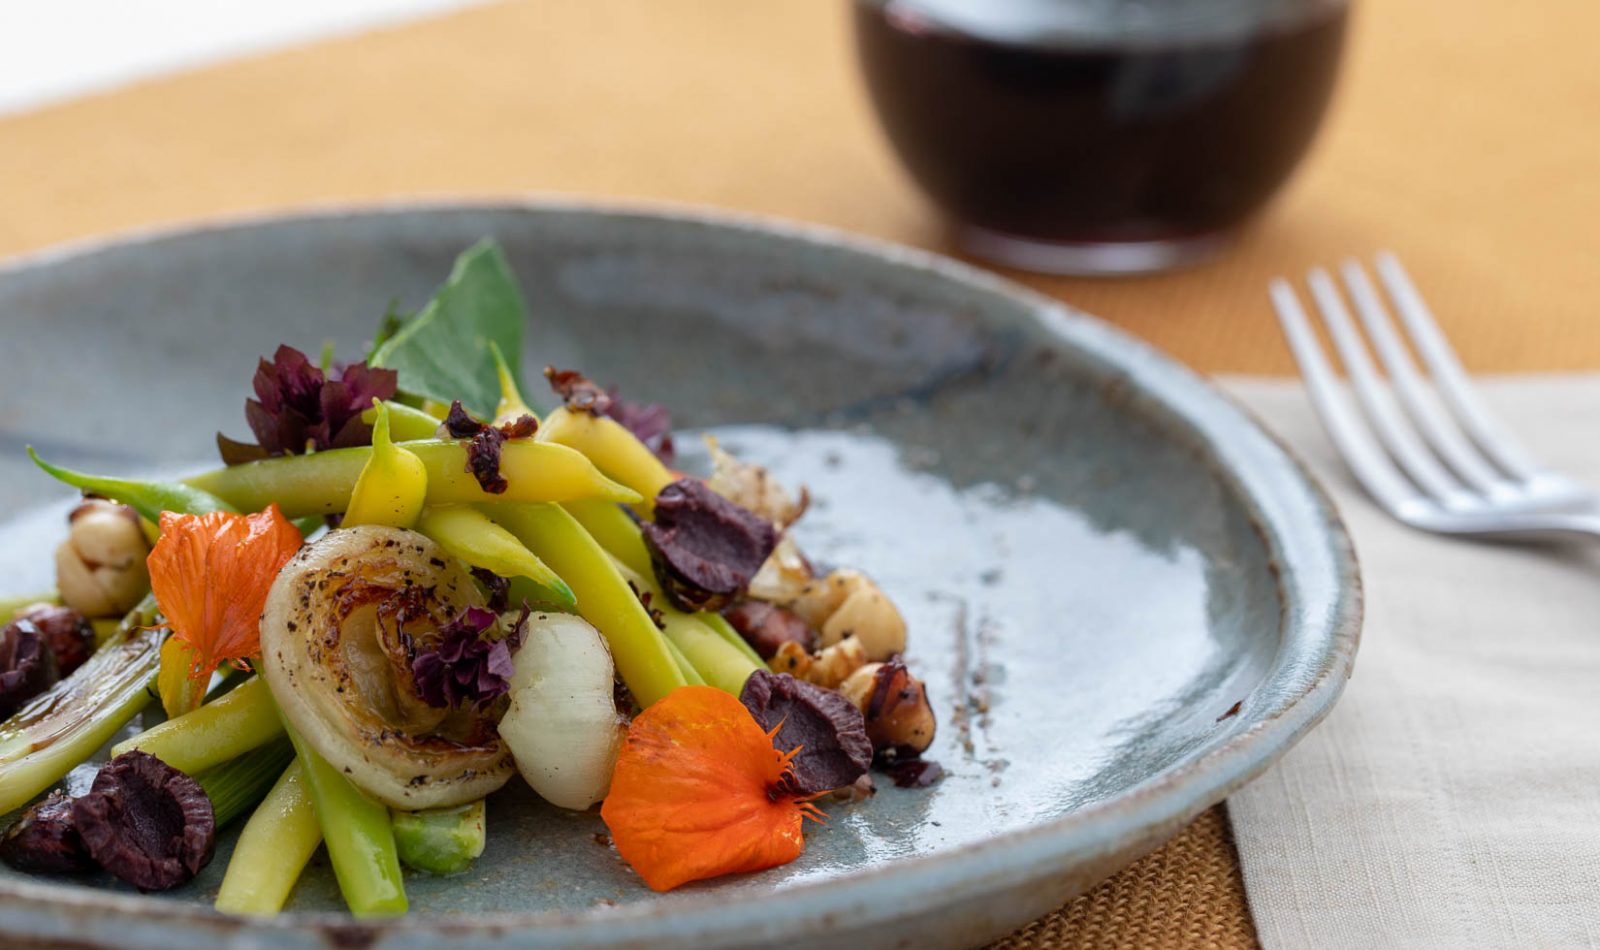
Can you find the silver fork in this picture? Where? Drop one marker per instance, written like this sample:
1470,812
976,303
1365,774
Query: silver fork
1424,448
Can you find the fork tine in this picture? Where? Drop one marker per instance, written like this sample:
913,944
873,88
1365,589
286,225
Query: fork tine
1366,459
1393,431
1430,420
1448,375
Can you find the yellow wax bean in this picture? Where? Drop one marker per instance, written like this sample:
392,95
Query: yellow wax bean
470,535
180,693
613,449
277,842
604,599
615,530
620,536
322,483
240,720
405,422
10,605
719,662
512,405
393,483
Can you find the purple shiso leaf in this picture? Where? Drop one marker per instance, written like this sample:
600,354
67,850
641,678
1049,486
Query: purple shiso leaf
297,408
465,668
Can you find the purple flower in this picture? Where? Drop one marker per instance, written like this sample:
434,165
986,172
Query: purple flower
299,408
648,421
465,667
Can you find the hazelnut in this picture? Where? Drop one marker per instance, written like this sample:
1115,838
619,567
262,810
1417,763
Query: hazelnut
865,613
900,722
100,567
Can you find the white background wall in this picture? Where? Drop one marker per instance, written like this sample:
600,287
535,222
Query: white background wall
52,50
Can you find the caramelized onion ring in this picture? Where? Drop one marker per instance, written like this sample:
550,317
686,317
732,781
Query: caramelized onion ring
341,622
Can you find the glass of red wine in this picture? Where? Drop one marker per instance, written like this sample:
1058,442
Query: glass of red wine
1099,136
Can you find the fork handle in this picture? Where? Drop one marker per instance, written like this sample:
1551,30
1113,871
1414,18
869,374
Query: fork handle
1529,526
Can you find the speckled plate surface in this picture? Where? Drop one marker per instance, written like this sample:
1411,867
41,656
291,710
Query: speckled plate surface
1099,555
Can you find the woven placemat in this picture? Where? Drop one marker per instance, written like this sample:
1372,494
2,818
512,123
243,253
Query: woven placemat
1187,894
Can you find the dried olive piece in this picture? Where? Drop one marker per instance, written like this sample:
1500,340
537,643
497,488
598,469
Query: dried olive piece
27,667
45,839
827,728
67,632
146,822
766,627
485,443
705,548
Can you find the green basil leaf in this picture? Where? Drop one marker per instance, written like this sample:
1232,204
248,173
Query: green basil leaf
442,353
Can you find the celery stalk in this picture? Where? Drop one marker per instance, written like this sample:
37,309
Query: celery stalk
63,726
236,787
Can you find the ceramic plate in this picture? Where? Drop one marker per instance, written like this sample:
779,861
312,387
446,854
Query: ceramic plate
1126,599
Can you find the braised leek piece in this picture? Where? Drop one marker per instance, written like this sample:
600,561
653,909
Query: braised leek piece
62,727
237,786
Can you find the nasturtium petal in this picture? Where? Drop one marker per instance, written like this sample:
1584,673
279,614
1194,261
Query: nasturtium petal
695,793
211,573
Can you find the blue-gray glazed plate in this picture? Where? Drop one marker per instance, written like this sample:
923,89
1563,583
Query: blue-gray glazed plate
1125,597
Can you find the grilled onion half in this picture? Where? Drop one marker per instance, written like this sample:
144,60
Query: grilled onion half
342,622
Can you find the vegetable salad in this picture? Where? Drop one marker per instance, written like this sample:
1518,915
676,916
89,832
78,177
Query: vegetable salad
407,589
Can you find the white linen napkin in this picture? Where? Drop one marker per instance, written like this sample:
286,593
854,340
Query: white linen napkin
1452,797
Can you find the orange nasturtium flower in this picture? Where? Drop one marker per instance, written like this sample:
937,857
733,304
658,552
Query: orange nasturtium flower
211,573
695,793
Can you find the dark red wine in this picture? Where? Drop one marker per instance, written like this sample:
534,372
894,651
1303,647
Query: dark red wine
1069,132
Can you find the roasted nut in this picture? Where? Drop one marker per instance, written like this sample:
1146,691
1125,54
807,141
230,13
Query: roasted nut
69,634
847,603
100,568
767,626
894,703
833,665
827,668
45,839
27,667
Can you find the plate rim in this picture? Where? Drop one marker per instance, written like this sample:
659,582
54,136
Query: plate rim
1143,816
